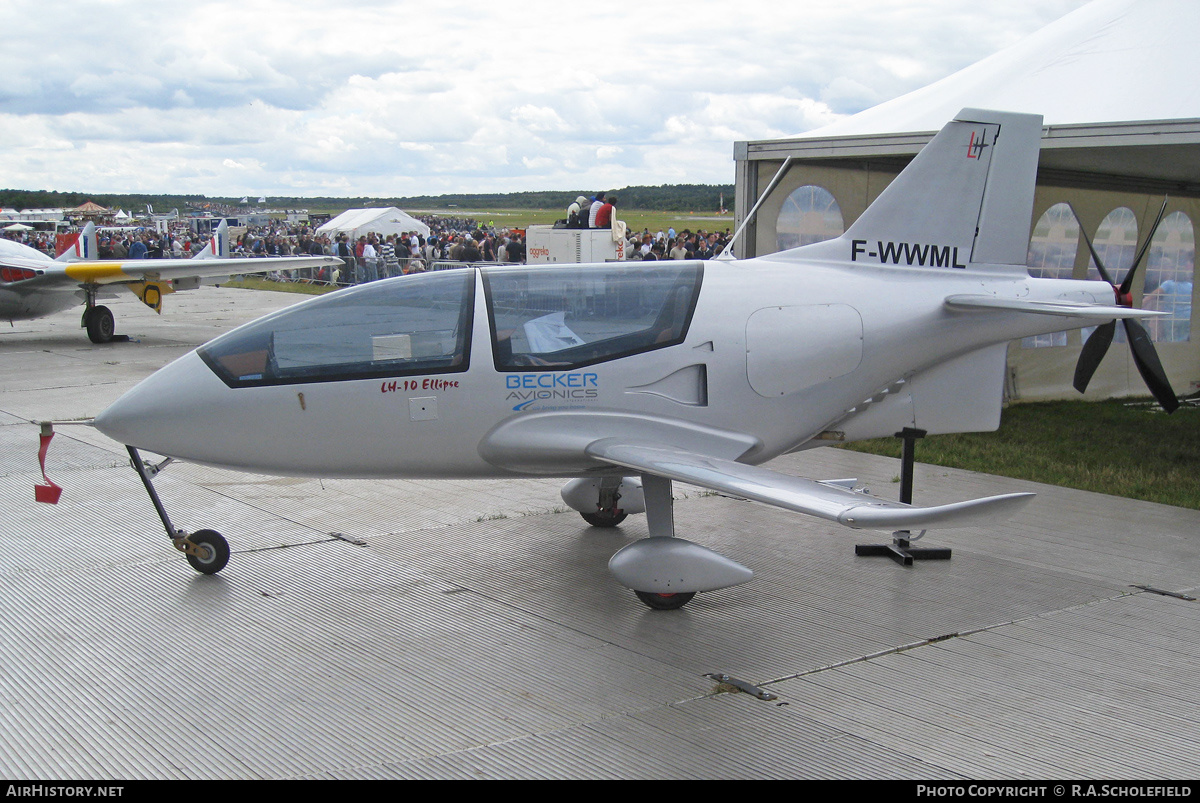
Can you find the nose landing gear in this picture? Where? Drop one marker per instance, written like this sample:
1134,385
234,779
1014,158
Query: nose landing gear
206,550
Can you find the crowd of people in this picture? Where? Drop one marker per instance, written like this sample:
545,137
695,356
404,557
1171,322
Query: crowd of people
699,244
38,240
369,257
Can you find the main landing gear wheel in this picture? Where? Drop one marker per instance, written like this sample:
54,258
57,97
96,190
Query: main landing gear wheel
603,518
212,551
664,602
101,326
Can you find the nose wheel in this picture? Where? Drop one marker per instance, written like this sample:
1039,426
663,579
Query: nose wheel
206,550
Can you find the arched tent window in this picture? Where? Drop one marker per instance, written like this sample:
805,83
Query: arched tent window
1052,256
809,215
1115,243
1170,266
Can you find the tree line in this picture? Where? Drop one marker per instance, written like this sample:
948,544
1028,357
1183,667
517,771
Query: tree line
663,198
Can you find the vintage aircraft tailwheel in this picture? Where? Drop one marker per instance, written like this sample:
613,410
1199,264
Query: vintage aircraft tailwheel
100,324
665,602
602,518
214,551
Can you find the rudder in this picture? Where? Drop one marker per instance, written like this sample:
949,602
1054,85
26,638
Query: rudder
217,246
83,247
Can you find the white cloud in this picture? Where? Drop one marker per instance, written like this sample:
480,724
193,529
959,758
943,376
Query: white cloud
394,97
539,118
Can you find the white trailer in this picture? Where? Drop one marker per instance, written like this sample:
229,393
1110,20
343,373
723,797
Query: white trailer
546,244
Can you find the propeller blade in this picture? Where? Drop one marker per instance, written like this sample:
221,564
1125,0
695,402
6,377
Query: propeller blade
1127,282
1095,257
1145,357
1093,352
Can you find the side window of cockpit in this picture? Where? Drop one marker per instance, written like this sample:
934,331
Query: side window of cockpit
562,317
414,325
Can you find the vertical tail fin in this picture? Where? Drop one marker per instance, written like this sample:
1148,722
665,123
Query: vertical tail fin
217,246
966,198
84,246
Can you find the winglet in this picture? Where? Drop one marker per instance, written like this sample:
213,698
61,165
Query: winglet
971,513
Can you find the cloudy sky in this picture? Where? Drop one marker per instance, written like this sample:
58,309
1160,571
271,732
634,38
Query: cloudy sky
395,97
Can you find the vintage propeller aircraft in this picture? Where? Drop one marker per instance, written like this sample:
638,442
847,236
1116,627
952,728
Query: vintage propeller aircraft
627,377
32,285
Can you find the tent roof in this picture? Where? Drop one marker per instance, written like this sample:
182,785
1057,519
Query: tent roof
1110,60
389,220
1112,80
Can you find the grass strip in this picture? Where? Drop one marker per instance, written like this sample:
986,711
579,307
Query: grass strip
1122,447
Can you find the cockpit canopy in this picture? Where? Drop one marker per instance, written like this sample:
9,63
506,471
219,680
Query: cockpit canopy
541,318
560,317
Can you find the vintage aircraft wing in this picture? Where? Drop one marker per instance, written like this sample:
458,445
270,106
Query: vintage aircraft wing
78,265
34,285
113,271
26,269
823,500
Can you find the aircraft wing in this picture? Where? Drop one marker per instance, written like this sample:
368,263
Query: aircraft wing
124,271
823,500
1062,307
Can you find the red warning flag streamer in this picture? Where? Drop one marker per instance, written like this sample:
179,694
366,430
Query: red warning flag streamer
48,493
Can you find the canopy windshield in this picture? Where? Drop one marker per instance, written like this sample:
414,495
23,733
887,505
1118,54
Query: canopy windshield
417,324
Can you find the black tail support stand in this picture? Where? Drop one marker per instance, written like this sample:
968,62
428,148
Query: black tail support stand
901,549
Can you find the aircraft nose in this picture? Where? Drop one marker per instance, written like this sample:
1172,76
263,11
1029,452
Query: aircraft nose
168,413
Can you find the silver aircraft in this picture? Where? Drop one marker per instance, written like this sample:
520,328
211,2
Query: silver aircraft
32,285
627,377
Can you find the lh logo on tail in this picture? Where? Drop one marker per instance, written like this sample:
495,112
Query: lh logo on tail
977,144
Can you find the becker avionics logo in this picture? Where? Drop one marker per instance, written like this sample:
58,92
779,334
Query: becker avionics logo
553,389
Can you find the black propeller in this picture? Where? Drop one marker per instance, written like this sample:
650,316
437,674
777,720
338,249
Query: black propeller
1144,355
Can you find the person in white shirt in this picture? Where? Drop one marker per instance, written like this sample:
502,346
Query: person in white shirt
597,202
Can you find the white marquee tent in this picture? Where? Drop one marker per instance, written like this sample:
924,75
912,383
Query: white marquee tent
1108,61
1113,81
390,220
